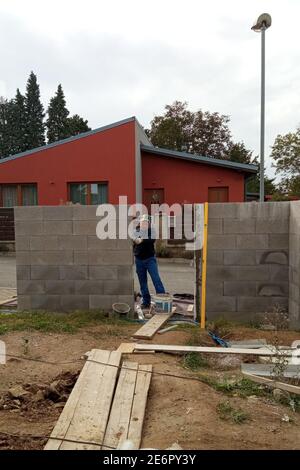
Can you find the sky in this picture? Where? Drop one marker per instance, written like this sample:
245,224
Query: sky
120,58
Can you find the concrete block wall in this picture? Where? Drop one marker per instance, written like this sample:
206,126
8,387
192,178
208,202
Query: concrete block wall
248,259
294,262
62,265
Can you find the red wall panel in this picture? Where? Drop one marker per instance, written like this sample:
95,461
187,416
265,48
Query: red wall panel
188,182
108,155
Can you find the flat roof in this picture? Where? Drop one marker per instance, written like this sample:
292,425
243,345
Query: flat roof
244,167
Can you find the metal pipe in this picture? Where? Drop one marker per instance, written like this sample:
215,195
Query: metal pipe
262,118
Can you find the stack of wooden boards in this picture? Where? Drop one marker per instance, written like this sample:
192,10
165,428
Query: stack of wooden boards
105,407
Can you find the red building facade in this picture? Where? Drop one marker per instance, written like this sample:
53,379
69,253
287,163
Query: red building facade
117,160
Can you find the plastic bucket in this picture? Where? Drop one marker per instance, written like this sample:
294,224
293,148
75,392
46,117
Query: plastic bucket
121,308
163,303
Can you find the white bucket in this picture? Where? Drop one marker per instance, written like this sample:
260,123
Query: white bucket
163,303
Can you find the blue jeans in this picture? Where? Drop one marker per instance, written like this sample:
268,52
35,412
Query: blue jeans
144,266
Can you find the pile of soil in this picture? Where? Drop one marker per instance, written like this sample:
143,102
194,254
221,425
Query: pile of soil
38,398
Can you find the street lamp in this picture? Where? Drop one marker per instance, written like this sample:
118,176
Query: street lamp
263,22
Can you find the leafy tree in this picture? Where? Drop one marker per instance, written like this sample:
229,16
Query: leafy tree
198,132
77,125
57,122
286,154
253,183
239,153
35,127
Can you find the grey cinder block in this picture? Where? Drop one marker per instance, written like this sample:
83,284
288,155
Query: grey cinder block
74,302
60,287
260,304
30,287
239,257
72,242
89,287
81,258
23,258
222,210
272,257
58,227
73,272
215,257
214,288
221,272
221,242
84,227
44,272
46,302
272,226
252,242
28,227
22,243
23,273
253,273
94,243
111,257
238,226
103,272
240,288
125,272
44,242
51,257
28,213
221,304
101,301
280,240
24,302
119,287
58,212
215,226
273,290
279,272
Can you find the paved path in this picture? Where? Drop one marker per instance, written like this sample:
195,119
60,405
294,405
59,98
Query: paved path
177,277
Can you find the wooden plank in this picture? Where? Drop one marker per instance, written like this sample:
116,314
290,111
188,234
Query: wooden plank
126,348
291,371
152,326
250,343
86,412
118,423
204,349
139,405
272,383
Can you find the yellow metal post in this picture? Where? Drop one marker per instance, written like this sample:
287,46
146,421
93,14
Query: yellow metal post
204,266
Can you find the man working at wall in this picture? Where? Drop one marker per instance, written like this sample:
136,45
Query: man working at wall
145,260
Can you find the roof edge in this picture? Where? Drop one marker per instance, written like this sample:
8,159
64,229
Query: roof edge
68,140
247,167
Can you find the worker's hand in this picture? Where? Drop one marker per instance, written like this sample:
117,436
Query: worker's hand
138,240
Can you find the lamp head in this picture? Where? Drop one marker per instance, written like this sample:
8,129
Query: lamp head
264,21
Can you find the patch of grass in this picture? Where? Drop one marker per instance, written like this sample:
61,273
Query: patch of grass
227,412
194,361
55,322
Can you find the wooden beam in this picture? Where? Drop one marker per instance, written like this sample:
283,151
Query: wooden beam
139,405
119,419
126,348
217,350
152,326
272,383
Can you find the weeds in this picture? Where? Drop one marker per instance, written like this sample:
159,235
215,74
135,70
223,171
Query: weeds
194,361
227,412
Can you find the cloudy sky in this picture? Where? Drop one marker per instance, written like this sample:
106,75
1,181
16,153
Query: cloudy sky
121,58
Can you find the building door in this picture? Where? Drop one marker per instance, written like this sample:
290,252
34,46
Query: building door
153,196
218,194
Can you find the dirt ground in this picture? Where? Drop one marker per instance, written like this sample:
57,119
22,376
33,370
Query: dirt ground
178,409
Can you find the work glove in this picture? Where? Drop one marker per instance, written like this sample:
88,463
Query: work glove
138,240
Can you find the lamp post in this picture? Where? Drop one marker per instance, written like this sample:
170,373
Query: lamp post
263,22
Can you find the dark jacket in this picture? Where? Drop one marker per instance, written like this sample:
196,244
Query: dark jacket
145,249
